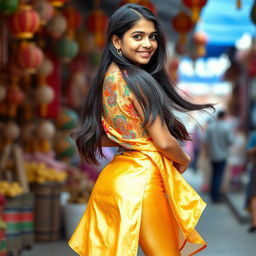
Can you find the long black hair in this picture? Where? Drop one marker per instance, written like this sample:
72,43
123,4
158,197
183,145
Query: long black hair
149,83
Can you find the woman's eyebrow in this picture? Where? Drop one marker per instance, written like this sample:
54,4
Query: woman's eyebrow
142,32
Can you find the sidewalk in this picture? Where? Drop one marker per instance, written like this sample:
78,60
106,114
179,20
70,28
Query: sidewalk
225,235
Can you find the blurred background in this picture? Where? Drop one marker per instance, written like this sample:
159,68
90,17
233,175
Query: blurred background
49,53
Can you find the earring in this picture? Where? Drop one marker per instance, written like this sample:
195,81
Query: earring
119,52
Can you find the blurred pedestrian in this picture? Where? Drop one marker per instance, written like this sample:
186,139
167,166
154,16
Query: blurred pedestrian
218,139
251,186
196,138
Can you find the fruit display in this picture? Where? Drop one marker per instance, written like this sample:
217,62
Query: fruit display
10,189
41,173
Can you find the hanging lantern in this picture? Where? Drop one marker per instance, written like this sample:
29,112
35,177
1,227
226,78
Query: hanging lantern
44,95
182,23
8,6
65,146
66,49
45,68
238,4
97,24
73,18
57,25
145,3
44,10
58,3
195,6
45,132
200,39
15,97
149,5
11,132
67,119
28,137
2,92
180,49
29,57
173,69
25,22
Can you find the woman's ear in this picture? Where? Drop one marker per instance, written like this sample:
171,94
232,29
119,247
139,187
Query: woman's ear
116,41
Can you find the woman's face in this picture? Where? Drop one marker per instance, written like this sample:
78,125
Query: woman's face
139,43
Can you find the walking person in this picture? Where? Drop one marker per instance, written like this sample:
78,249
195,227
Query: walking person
140,197
218,139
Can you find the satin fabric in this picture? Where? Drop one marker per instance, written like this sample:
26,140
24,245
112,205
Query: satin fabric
111,223
157,230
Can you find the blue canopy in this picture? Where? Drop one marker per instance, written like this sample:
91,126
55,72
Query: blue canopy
224,24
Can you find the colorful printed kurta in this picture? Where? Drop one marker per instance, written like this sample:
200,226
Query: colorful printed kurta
111,223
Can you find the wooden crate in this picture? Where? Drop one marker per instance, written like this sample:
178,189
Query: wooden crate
47,211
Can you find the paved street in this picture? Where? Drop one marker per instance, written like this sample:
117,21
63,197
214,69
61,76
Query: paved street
218,225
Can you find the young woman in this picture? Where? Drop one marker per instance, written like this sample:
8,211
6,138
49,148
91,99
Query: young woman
140,197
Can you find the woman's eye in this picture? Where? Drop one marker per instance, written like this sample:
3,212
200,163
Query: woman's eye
153,37
137,37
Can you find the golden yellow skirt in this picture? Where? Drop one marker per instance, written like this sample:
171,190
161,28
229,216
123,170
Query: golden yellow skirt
110,225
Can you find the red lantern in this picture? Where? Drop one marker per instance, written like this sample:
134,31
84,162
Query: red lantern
195,6
145,3
15,97
97,24
148,5
25,22
182,23
200,39
73,18
58,3
173,69
44,10
29,57
180,49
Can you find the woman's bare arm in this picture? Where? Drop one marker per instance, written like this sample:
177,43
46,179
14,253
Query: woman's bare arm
164,141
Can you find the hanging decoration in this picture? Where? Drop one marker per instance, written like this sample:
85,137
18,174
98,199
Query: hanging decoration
173,69
44,95
10,132
96,23
73,18
57,25
195,6
45,131
145,3
8,6
182,23
58,3
24,23
15,97
66,49
238,4
29,57
200,39
44,10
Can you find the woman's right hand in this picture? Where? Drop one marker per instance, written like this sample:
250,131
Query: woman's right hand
182,167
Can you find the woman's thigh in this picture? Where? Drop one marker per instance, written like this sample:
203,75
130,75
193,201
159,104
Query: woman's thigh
157,232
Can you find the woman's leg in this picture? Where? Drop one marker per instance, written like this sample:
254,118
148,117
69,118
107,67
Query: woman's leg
157,232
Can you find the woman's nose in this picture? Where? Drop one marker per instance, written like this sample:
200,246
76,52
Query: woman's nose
146,42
